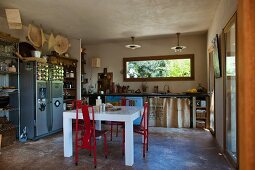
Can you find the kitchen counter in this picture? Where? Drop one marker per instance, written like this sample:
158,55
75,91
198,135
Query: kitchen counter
150,94
192,97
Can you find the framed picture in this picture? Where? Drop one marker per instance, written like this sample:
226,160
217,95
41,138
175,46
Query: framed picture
216,57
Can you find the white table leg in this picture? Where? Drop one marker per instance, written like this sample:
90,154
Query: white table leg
98,125
129,143
67,130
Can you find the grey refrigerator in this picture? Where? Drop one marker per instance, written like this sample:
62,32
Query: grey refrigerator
41,91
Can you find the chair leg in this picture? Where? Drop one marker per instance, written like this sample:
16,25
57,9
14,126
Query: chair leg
123,141
95,157
117,130
105,147
90,147
147,141
76,147
111,131
144,143
76,154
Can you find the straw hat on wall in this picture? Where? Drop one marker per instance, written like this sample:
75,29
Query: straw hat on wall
34,35
61,44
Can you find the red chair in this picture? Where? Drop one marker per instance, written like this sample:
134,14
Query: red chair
141,129
77,104
123,103
88,135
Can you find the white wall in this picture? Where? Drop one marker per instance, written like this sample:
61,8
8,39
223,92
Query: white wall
111,55
75,52
224,12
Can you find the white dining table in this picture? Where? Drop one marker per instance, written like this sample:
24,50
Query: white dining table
127,114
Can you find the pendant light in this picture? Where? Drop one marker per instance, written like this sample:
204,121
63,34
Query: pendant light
178,48
133,46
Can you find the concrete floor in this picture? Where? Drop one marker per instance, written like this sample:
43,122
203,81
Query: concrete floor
168,149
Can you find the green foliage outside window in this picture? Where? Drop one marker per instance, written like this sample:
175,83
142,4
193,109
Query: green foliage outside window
159,68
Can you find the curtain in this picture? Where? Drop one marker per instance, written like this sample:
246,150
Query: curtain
169,112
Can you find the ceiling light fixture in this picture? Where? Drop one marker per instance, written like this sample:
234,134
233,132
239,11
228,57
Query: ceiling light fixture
133,46
178,48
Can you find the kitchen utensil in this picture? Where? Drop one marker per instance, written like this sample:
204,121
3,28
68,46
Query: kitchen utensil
36,53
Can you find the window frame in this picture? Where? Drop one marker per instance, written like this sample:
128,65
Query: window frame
146,58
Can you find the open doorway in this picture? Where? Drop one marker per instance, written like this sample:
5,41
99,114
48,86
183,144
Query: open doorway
211,93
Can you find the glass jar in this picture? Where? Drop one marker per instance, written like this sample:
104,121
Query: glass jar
67,74
72,74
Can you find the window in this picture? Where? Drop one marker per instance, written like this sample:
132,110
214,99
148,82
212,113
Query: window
159,68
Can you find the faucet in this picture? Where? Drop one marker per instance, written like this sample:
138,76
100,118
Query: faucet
168,89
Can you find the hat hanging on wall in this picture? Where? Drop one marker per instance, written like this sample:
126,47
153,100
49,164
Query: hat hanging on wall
51,41
61,44
178,48
133,46
34,35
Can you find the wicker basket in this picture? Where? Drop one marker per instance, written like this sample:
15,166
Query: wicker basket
8,132
200,124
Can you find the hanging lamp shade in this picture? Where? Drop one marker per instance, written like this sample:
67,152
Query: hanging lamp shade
178,48
95,62
133,46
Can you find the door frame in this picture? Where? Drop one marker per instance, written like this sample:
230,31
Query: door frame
232,20
246,83
210,55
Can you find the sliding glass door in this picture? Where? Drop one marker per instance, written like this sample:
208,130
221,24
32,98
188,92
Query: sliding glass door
230,89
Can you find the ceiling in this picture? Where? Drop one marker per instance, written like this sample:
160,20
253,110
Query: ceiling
96,21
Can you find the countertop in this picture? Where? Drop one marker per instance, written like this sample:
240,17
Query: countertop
150,94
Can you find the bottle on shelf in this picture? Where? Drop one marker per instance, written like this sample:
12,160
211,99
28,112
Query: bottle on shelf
67,73
98,104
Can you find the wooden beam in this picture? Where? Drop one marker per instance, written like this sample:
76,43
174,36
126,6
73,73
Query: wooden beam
246,83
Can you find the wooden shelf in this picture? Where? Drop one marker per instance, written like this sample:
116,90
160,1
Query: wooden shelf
198,107
68,100
203,112
69,77
63,60
201,118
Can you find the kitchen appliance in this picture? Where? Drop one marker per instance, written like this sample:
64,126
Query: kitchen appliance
41,98
55,84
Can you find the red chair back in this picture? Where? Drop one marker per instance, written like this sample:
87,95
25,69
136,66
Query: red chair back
124,101
144,120
89,126
77,104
